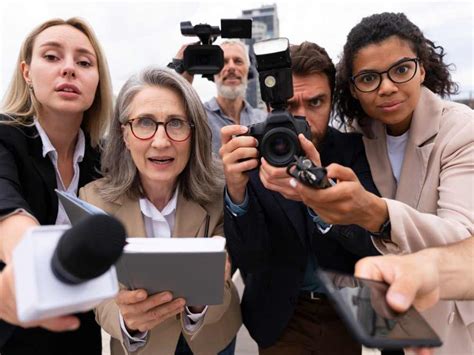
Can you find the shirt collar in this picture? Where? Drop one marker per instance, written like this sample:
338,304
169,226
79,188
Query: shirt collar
149,210
213,105
49,148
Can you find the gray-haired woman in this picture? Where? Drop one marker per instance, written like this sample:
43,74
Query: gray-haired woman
161,180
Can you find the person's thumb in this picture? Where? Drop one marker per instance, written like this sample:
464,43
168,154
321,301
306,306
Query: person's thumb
309,149
401,294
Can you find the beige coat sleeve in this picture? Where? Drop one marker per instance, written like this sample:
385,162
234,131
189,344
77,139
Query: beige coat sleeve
220,321
452,218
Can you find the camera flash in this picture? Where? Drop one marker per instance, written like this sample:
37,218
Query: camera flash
270,81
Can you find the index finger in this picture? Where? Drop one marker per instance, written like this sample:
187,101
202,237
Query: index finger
274,171
309,149
366,268
227,132
131,297
339,172
61,324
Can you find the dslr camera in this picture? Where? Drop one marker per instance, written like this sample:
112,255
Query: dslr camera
278,135
205,58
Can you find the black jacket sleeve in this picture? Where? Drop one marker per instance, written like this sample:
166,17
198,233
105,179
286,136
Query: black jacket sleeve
247,236
11,194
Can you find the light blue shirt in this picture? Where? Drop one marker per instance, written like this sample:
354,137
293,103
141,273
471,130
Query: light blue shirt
218,119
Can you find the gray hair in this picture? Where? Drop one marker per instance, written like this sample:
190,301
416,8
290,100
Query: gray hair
239,43
202,178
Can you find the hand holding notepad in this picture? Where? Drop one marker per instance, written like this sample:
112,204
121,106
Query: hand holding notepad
192,268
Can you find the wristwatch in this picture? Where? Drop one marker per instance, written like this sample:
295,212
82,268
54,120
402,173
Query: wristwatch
177,65
384,231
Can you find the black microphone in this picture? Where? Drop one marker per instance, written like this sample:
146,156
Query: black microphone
88,249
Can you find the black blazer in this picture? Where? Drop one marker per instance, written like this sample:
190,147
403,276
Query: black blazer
272,241
27,180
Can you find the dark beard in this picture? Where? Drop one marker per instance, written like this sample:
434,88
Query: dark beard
318,138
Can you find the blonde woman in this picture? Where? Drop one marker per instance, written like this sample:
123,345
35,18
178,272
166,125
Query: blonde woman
53,116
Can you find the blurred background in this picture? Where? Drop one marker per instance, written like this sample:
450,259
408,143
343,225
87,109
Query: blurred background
136,34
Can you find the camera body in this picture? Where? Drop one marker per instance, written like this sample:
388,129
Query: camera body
205,58
277,136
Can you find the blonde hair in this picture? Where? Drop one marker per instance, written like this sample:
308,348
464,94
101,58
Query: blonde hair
201,180
20,102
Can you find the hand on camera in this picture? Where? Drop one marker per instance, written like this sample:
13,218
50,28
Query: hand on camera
141,312
278,180
239,155
347,202
180,56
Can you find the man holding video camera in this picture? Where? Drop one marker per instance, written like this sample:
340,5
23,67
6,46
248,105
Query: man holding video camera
229,107
273,238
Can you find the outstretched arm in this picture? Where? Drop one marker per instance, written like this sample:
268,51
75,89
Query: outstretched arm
424,277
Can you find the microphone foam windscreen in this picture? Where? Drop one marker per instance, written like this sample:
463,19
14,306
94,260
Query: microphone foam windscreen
88,249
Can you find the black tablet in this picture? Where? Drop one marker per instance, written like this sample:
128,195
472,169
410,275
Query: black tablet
362,306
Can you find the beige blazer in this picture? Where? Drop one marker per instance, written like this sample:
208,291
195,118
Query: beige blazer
221,322
434,201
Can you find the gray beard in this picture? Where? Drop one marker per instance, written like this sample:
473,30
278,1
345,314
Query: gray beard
231,92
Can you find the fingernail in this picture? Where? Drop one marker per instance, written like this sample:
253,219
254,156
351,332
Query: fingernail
141,295
244,129
293,182
73,326
399,300
168,297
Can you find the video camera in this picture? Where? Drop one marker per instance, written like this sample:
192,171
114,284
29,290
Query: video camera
278,135
205,58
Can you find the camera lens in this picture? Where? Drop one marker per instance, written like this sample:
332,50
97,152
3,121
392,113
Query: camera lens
279,146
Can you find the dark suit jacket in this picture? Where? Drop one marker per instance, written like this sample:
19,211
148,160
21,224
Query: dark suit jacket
272,241
27,180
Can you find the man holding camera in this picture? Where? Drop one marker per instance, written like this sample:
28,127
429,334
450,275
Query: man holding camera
275,240
229,107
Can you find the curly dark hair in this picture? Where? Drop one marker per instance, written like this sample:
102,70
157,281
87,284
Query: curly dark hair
375,29
309,58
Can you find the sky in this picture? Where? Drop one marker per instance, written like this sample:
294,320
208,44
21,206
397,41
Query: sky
137,34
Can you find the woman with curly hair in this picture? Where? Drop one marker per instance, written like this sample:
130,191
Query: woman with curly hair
390,83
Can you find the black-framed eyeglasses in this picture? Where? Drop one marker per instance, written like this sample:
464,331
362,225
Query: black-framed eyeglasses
399,73
176,129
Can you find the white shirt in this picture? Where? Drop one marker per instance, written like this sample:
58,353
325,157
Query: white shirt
396,146
159,224
50,151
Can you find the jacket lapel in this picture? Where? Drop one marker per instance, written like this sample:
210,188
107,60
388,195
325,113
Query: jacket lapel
90,165
129,213
424,127
377,156
46,171
292,209
190,219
